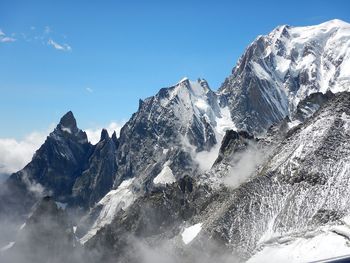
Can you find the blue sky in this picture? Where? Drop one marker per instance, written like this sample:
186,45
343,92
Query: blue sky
97,58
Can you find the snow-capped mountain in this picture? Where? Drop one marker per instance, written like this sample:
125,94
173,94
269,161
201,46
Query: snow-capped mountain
280,69
233,172
177,126
174,133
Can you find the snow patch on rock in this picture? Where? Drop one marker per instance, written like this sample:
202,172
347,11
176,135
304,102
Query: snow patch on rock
117,199
7,247
191,232
165,176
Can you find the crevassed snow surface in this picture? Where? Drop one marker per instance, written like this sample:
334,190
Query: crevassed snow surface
191,232
114,200
165,176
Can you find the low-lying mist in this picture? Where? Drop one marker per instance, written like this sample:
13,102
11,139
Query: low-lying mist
244,164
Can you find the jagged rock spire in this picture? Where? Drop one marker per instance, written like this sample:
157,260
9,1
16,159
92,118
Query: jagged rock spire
104,135
68,121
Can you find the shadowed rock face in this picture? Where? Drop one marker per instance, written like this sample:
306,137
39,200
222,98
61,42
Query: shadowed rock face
61,159
67,167
233,142
54,168
99,175
310,105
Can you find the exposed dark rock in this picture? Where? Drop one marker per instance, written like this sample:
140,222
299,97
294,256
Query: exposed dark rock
232,143
97,179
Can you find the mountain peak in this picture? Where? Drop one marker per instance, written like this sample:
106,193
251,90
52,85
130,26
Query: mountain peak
104,135
335,23
184,79
185,82
68,121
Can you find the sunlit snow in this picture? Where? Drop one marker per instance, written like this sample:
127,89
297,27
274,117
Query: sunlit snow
191,232
165,176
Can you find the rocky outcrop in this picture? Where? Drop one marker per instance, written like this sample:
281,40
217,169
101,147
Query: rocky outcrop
97,179
53,170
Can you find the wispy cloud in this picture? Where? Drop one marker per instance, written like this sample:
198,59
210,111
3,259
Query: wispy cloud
44,36
4,38
62,47
90,90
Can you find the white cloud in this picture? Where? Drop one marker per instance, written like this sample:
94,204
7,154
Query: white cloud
44,37
63,47
94,134
15,154
7,39
4,38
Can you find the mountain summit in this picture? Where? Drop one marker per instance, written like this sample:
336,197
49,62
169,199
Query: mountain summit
282,68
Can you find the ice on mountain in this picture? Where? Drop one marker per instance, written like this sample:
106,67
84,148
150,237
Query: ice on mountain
165,176
260,72
191,232
117,199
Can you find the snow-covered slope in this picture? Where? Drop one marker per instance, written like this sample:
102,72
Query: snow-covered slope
110,205
303,186
328,242
282,68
